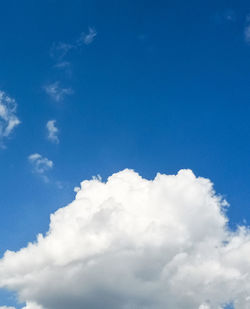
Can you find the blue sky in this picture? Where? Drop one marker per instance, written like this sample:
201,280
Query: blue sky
155,86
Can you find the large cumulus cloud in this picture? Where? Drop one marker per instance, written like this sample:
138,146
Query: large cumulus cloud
132,243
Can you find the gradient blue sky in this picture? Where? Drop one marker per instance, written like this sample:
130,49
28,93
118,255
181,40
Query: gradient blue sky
162,86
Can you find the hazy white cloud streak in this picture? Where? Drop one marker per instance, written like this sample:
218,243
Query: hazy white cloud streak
247,34
40,165
8,117
247,29
87,38
52,131
60,50
56,92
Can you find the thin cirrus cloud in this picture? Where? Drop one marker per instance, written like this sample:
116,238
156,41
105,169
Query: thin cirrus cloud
59,50
230,15
62,65
135,243
8,117
56,92
52,131
87,38
227,15
247,34
40,165
247,30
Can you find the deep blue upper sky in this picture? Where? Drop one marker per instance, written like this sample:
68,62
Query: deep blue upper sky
163,86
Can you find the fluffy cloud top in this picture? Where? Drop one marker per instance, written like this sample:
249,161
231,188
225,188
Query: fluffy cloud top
52,131
135,243
8,118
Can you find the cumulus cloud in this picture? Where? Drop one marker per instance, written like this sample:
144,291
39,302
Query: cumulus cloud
8,117
40,165
29,305
135,243
56,92
32,305
52,131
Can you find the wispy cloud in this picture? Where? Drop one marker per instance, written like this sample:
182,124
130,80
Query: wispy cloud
59,50
56,92
230,15
62,65
8,118
41,165
225,16
87,38
247,29
52,131
247,34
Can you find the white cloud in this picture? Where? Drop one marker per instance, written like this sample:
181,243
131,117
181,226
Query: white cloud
87,38
135,243
247,29
32,305
29,305
247,34
56,92
230,15
62,65
60,50
52,131
8,118
40,165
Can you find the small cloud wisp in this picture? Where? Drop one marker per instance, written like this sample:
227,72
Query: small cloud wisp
56,92
8,117
52,131
41,165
